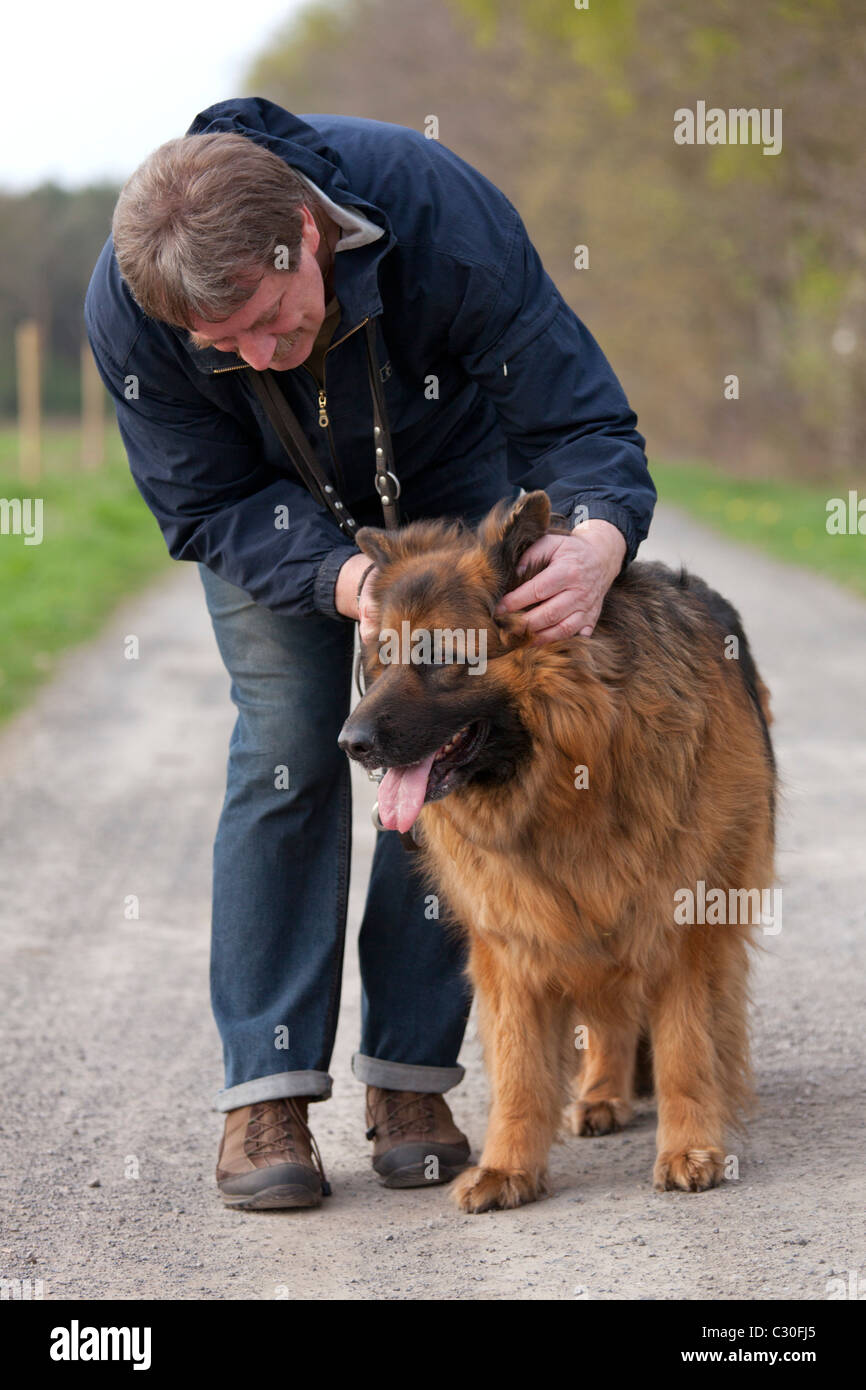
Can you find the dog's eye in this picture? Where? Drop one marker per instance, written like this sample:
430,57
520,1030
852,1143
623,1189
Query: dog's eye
444,675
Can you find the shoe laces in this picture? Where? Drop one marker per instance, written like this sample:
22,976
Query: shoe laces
274,1125
414,1110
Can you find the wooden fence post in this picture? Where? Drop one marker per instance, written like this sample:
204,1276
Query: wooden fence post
92,412
28,355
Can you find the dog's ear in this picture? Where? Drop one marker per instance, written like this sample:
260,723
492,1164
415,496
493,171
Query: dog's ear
510,529
379,545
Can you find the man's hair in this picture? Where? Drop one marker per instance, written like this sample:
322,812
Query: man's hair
199,223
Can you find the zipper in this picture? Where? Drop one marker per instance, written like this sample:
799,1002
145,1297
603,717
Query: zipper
325,424
322,395
324,419
343,339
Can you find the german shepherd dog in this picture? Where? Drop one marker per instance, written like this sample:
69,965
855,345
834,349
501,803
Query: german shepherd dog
565,795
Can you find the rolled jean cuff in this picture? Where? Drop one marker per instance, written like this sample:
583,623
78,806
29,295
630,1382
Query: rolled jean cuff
316,1085
405,1076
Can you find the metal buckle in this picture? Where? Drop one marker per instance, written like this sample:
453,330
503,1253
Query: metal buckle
382,480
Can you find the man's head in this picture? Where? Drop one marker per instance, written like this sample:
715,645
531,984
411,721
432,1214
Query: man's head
199,230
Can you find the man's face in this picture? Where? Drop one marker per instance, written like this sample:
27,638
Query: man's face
278,324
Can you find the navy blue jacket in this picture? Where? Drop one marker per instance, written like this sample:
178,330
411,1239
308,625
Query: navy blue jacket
458,292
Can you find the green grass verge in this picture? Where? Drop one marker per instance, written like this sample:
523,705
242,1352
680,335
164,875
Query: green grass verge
99,544
786,519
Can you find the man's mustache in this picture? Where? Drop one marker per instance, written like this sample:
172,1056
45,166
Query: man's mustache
285,343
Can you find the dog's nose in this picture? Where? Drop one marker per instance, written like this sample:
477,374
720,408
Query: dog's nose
358,740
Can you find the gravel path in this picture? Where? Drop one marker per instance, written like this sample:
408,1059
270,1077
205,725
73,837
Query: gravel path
110,786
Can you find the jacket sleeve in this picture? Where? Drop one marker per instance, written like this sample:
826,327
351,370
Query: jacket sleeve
215,498
568,424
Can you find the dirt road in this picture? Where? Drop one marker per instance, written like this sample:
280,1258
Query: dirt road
110,788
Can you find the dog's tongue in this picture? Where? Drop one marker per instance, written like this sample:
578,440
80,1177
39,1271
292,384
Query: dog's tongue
401,794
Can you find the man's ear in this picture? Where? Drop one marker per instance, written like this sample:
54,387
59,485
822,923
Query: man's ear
510,529
379,545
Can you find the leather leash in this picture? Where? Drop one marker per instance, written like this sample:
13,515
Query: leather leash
298,448
386,482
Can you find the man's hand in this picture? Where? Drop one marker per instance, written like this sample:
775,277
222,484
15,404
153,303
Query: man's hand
346,595
569,591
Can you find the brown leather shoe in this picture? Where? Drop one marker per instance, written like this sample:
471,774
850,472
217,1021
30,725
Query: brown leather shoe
269,1158
417,1142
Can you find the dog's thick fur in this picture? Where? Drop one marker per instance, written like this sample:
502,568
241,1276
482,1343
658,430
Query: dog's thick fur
567,892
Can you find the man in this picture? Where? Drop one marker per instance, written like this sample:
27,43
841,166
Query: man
266,240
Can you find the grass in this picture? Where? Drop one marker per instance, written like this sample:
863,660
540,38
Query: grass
99,544
787,520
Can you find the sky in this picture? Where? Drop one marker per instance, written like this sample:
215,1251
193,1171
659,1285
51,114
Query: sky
90,88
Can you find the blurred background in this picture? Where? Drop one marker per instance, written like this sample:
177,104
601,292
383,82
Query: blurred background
703,261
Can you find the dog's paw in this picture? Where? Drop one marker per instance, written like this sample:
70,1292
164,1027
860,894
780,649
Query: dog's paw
692,1170
494,1189
592,1117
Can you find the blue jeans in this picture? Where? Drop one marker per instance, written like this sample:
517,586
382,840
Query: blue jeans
281,859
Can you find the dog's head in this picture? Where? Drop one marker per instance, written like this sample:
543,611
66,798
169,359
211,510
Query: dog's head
441,708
